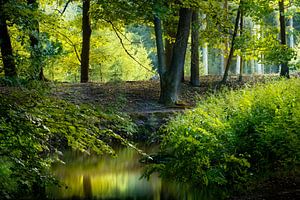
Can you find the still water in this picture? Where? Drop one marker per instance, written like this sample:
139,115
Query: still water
92,177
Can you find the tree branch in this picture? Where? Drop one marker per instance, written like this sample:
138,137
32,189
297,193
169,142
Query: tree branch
127,52
63,11
70,42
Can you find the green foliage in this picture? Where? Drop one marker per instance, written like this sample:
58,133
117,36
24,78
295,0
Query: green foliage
108,59
235,137
35,127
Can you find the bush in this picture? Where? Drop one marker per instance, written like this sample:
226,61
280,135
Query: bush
234,137
34,127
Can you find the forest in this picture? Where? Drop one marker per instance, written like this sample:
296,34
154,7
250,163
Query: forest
150,99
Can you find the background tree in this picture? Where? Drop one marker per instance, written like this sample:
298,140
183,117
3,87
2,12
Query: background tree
86,37
195,49
34,36
237,20
5,43
284,65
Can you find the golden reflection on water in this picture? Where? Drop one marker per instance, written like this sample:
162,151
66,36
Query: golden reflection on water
104,178
92,177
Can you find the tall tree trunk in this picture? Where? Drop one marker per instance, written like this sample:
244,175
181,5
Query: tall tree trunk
162,68
238,65
170,31
236,26
86,36
291,36
226,42
195,49
242,56
169,94
35,53
284,66
205,58
6,48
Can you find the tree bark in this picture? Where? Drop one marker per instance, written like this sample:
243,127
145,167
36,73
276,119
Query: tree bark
226,42
236,26
172,80
195,49
284,65
86,37
242,56
6,47
162,68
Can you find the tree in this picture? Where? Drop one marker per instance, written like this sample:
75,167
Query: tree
34,36
237,20
5,44
284,65
242,56
86,37
195,49
172,77
162,68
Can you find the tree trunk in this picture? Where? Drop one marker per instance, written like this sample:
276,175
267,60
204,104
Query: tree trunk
236,26
284,66
35,53
162,68
242,56
170,32
86,36
226,42
169,94
291,36
205,59
195,49
6,48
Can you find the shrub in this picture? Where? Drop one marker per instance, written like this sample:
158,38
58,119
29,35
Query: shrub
34,128
235,136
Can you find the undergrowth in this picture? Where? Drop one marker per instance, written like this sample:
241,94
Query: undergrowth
234,137
35,127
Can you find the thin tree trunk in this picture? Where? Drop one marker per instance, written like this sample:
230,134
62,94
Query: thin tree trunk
291,36
242,56
195,49
205,58
160,46
226,43
225,76
6,48
169,95
284,66
86,36
162,68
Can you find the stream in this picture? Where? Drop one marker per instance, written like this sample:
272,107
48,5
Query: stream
104,177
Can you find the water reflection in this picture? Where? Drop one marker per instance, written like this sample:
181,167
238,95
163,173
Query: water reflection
90,177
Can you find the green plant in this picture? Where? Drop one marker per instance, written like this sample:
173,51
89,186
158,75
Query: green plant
234,137
35,127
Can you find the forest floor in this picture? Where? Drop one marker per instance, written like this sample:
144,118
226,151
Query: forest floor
140,96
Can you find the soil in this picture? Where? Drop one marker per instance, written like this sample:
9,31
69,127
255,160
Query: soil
139,96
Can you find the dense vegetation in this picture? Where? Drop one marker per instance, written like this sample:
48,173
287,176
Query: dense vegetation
235,137
229,139
35,128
